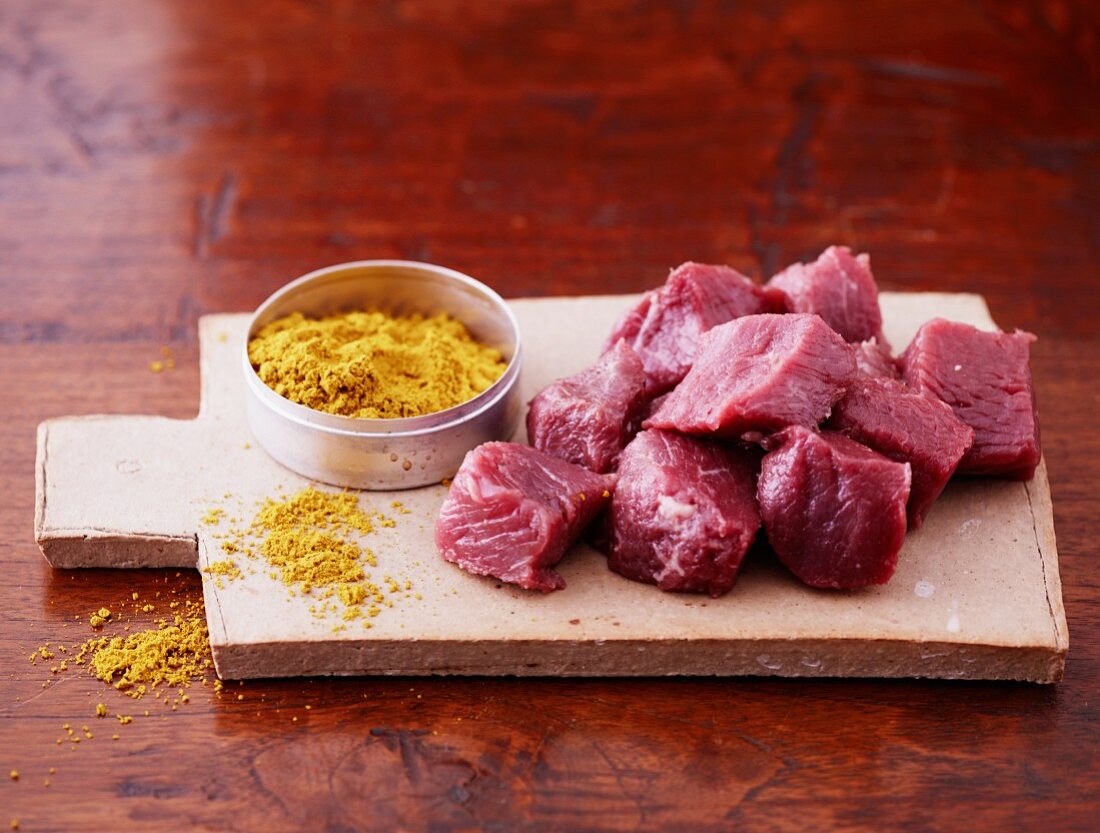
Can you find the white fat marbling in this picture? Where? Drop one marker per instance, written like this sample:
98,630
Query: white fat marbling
671,509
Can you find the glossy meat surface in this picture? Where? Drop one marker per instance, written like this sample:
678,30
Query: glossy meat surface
760,373
513,511
684,513
838,287
834,510
664,327
589,417
986,379
873,359
910,427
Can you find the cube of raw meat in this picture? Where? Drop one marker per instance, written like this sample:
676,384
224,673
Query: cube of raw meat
683,514
759,373
838,287
986,379
874,359
833,509
513,511
588,418
665,325
907,426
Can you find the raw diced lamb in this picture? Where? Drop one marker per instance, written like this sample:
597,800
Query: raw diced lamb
683,514
759,373
588,418
665,325
986,379
653,406
874,359
838,287
833,509
513,511
907,426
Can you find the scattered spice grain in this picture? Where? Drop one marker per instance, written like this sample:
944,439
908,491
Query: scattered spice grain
226,567
167,362
172,654
99,619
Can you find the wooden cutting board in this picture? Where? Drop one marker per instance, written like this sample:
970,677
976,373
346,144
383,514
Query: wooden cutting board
976,594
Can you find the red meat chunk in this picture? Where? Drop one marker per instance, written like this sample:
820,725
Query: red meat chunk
588,418
513,511
909,427
986,379
665,325
683,514
874,359
653,406
833,509
759,373
838,287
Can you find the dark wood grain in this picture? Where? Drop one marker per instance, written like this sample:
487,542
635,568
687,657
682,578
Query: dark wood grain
160,159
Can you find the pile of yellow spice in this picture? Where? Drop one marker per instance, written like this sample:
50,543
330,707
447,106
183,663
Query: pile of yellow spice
373,365
311,539
173,654
162,660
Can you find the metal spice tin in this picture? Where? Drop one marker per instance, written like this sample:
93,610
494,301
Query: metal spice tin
385,454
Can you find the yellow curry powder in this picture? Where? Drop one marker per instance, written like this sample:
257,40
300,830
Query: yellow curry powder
374,365
173,654
310,538
226,568
307,537
309,558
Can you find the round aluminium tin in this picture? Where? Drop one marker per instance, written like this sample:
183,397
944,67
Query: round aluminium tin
398,453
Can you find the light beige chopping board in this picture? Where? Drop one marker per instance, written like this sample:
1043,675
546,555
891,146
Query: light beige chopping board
976,594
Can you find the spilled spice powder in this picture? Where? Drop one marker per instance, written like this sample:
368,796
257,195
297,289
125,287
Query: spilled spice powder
311,538
374,365
316,509
226,568
310,558
174,654
163,660
308,538
166,363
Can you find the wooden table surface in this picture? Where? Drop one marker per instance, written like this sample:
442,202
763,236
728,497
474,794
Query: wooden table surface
161,159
